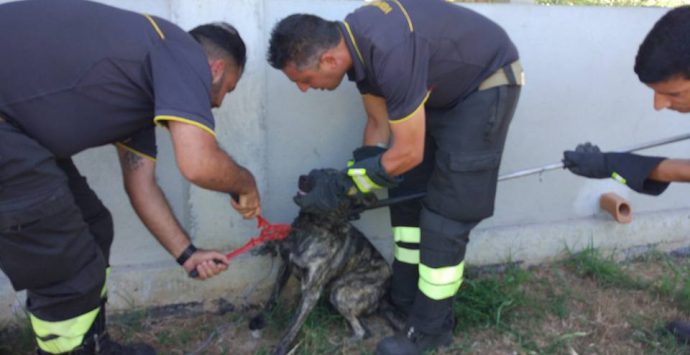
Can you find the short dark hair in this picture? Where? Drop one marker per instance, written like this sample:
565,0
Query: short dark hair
221,40
301,39
665,52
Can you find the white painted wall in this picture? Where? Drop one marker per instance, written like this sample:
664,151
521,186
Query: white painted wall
580,86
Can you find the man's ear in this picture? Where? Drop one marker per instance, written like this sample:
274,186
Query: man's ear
328,60
217,68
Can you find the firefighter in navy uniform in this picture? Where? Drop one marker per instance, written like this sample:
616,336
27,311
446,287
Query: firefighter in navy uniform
663,64
75,75
440,84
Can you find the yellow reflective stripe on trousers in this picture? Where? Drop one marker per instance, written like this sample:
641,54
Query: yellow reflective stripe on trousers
62,336
407,256
67,335
363,182
440,283
104,290
407,234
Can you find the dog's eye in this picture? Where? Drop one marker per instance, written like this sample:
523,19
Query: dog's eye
305,183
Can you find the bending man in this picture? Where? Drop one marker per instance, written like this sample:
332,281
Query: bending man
440,84
77,75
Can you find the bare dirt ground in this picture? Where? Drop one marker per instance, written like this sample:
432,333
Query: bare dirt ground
579,306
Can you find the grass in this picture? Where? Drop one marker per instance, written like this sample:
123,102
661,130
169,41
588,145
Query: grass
485,302
589,263
586,303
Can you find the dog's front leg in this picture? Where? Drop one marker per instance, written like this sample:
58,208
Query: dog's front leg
257,323
281,280
311,291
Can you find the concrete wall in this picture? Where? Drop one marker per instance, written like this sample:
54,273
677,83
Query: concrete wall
580,86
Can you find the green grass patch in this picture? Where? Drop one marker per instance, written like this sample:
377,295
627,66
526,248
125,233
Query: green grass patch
488,300
604,270
655,338
316,335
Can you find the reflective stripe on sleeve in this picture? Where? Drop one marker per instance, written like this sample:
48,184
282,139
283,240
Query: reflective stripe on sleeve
128,148
420,107
158,119
619,178
363,182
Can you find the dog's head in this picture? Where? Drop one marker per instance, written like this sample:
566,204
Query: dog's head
327,179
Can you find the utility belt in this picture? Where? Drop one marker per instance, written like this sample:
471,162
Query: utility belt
510,74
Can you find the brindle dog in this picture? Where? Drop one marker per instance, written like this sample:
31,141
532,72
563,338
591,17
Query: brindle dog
328,255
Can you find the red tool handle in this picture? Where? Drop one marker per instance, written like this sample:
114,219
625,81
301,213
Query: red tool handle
268,232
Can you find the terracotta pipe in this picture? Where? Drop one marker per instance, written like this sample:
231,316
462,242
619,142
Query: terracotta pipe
618,207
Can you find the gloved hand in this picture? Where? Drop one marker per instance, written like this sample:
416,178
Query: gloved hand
368,173
629,169
323,191
587,160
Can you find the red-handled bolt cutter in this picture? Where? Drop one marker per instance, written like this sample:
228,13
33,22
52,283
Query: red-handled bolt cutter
269,232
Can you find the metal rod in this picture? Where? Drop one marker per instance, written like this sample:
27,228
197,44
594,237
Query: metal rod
559,165
526,172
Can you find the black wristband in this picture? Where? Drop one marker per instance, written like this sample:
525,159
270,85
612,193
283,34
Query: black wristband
186,254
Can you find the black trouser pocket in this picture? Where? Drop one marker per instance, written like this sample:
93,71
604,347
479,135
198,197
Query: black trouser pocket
463,187
47,249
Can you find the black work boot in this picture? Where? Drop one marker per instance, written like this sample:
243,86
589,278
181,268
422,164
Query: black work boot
413,342
680,329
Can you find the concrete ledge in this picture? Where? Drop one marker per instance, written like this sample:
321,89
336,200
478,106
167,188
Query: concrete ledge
532,244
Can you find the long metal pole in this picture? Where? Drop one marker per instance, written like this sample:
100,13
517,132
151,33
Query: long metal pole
559,165
539,170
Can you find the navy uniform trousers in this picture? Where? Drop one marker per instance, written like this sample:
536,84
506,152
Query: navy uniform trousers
459,172
55,237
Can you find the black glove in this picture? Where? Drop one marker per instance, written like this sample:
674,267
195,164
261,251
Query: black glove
326,191
367,151
627,168
368,174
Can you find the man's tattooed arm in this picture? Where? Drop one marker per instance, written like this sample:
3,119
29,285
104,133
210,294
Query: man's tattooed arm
132,161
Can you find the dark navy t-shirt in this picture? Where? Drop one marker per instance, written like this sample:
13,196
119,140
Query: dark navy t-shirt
422,52
78,74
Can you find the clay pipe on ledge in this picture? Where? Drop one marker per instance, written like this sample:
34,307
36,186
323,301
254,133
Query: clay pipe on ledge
618,207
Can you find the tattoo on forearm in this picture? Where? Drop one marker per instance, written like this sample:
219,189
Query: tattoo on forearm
132,161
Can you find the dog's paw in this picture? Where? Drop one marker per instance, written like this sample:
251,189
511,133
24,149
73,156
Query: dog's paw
256,326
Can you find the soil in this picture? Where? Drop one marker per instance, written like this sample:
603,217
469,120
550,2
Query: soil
570,314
